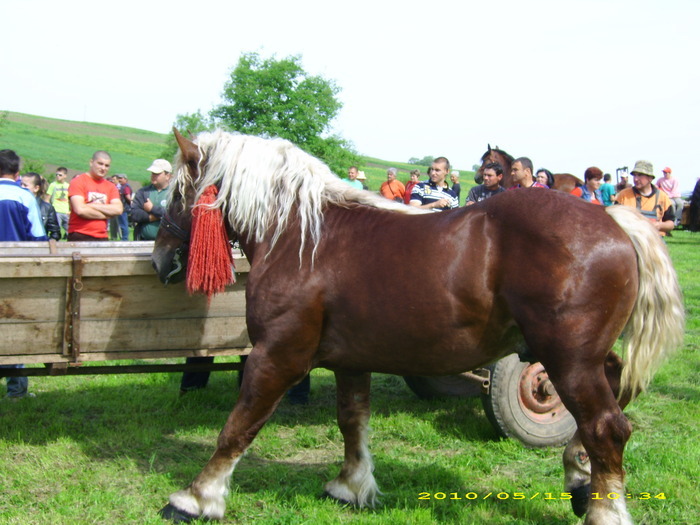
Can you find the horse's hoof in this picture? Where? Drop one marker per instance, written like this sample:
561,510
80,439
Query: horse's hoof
339,501
169,512
580,497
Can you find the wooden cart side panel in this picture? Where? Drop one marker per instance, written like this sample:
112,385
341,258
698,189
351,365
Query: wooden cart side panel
13,267
142,297
125,312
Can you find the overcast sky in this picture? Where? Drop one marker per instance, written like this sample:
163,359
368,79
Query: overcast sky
569,83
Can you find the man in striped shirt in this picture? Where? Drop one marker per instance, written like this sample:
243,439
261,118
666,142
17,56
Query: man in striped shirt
435,194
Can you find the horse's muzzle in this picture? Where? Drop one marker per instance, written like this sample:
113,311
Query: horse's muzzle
175,271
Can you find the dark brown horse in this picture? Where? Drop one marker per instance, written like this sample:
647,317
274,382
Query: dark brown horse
562,181
323,259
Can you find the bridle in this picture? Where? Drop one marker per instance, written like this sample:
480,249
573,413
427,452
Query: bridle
173,229
181,252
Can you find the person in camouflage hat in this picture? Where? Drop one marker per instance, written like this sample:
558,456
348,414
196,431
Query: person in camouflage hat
648,199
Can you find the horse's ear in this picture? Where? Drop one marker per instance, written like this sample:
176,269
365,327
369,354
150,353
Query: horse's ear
190,152
489,145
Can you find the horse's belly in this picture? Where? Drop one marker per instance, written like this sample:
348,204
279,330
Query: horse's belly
457,352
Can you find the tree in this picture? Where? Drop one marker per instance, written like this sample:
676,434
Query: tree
186,123
425,161
277,98
33,166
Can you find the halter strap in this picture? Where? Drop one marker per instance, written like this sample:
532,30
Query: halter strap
167,223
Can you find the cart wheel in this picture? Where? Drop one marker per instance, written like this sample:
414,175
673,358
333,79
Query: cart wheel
442,386
523,404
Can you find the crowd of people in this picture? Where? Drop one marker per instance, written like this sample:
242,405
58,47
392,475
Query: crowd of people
661,203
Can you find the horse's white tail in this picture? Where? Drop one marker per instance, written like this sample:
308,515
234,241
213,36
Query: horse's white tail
655,328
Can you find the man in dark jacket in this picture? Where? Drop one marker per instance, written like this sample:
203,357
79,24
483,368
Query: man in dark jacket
148,206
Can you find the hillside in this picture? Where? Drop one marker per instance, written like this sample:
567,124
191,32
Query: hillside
56,142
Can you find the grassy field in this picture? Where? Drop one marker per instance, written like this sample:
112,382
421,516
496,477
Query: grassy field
55,142
109,449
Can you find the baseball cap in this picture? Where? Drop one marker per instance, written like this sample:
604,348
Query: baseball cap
667,170
159,166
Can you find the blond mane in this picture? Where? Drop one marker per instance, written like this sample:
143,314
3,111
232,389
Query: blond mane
262,182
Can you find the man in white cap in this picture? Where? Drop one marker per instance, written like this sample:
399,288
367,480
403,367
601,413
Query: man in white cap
648,199
148,206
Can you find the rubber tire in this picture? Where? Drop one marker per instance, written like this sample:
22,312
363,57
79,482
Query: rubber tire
510,418
436,387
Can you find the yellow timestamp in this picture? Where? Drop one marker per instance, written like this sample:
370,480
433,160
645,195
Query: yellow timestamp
547,496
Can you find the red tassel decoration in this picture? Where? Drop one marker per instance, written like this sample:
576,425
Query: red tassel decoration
210,264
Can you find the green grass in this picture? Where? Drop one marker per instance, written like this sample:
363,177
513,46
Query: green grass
110,449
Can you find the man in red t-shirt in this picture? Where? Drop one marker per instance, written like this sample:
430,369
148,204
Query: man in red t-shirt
93,200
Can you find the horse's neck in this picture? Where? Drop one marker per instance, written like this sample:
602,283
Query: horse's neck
507,164
249,248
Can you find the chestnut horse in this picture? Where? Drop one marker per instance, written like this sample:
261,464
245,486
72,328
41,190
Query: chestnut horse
324,262
562,181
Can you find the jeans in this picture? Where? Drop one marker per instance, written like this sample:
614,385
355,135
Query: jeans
678,204
123,221
16,386
63,223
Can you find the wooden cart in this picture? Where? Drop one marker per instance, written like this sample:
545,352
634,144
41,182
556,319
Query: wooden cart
67,304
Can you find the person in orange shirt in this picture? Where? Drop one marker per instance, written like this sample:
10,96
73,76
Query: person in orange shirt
590,191
651,202
93,201
392,189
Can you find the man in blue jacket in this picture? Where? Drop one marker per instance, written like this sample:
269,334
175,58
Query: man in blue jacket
20,220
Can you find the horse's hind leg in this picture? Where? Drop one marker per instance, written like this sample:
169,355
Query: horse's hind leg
263,387
577,466
355,484
597,447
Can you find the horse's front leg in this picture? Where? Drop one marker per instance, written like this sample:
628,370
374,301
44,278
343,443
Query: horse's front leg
355,484
264,385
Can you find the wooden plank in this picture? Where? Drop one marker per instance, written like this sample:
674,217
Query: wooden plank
27,338
145,297
126,335
38,248
14,267
35,359
23,300
154,334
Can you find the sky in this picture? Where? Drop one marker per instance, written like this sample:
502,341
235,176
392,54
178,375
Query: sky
568,83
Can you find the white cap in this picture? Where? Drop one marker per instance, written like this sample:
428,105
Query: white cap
159,166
